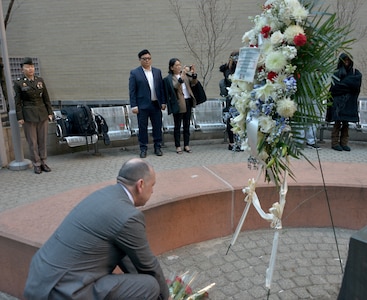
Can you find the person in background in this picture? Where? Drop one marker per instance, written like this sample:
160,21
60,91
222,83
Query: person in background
180,100
310,137
104,231
147,100
309,132
34,111
229,111
344,91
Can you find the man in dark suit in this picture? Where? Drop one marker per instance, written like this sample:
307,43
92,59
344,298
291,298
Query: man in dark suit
33,109
147,100
103,231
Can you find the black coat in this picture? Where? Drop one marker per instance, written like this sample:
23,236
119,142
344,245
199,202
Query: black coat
345,91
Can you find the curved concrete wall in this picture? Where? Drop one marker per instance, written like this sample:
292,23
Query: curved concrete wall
206,203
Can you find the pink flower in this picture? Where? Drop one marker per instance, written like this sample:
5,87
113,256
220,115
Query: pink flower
300,39
265,31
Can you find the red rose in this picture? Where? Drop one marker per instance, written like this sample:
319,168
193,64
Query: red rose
265,31
188,290
272,75
300,39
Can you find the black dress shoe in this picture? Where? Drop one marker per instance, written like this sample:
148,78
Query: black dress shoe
37,169
45,168
158,152
143,154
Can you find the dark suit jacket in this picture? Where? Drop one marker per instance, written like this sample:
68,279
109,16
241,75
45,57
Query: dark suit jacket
139,90
31,100
92,240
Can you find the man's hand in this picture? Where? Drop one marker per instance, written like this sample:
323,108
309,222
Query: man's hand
135,110
163,106
21,122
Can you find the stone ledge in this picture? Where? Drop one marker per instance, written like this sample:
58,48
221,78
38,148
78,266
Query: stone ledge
193,205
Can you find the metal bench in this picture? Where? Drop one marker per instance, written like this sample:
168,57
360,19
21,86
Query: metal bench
208,116
73,141
169,125
167,122
362,110
116,119
133,121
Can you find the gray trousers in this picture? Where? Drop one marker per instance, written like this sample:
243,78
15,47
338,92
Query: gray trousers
120,286
36,136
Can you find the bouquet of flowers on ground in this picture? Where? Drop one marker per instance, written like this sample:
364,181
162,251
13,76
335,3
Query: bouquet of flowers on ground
180,287
296,42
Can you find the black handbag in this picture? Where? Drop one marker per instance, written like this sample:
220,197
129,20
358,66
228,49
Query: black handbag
199,93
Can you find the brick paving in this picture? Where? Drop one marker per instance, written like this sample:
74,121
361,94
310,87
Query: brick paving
307,265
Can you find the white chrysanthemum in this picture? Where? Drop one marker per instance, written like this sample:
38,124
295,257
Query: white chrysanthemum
300,14
275,61
297,11
276,38
266,124
286,108
291,32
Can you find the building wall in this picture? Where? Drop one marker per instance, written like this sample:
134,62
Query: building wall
86,48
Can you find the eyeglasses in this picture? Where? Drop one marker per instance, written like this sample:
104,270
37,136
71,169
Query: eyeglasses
146,58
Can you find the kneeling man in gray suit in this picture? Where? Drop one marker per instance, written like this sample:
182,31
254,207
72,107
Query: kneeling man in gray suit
103,231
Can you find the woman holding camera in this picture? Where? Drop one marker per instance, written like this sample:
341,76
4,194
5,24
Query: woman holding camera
180,100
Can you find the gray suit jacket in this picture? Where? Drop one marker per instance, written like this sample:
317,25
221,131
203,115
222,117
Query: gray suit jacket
93,239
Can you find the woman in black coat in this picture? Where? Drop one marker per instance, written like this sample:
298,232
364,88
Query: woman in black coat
344,91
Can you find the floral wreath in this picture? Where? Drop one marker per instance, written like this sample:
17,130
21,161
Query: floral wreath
298,47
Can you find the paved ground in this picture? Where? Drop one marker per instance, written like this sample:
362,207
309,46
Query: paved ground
307,265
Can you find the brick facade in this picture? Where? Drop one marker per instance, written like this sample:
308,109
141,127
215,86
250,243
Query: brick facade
86,48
